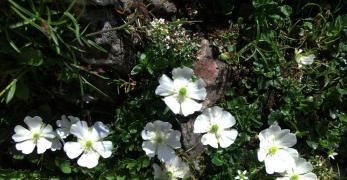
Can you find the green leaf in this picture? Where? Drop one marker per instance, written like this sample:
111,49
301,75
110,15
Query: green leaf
217,161
308,25
66,168
31,57
120,177
286,10
136,69
11,92
343,118
143,57
274,116
312,144
64,165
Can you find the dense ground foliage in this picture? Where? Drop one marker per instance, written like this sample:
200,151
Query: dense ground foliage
42,74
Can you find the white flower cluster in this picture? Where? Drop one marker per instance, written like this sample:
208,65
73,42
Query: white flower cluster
278,155
89,139
182,95
173,35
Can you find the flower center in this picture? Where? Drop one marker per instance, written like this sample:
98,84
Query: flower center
168,174
242,176
273,150
294,177
214,129
36,136
89,144
182,92
158,139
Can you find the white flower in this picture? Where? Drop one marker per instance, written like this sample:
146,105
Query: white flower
65,125
157,23
174,169
275,149
56,143
302,59
241,175
160,139
90,144
300,171
216,123
182,92
332,155
39,135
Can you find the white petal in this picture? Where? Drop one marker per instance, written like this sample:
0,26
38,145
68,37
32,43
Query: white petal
161,125
209,139
79,129
308,176
104,148
165,153
56,144
48,132
201,124
166,86
288,140
63,133
33,123
271,166
177,167
302,166
73,149
148,135
174,139
42,145
292,153
284,160
73,120
226,120
63,122
283,178
101,129
261,154
298,51
272,130
173,103
59,123
89,159
149,148
195,90
307,60
21,134
180,83
227,138
280,162
184,72
189,106
26,147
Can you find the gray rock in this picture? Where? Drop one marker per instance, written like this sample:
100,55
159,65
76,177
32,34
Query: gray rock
121,54
98,2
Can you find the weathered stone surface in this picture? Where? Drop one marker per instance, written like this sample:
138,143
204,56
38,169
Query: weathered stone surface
165,4
120,48
214,73
99,2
